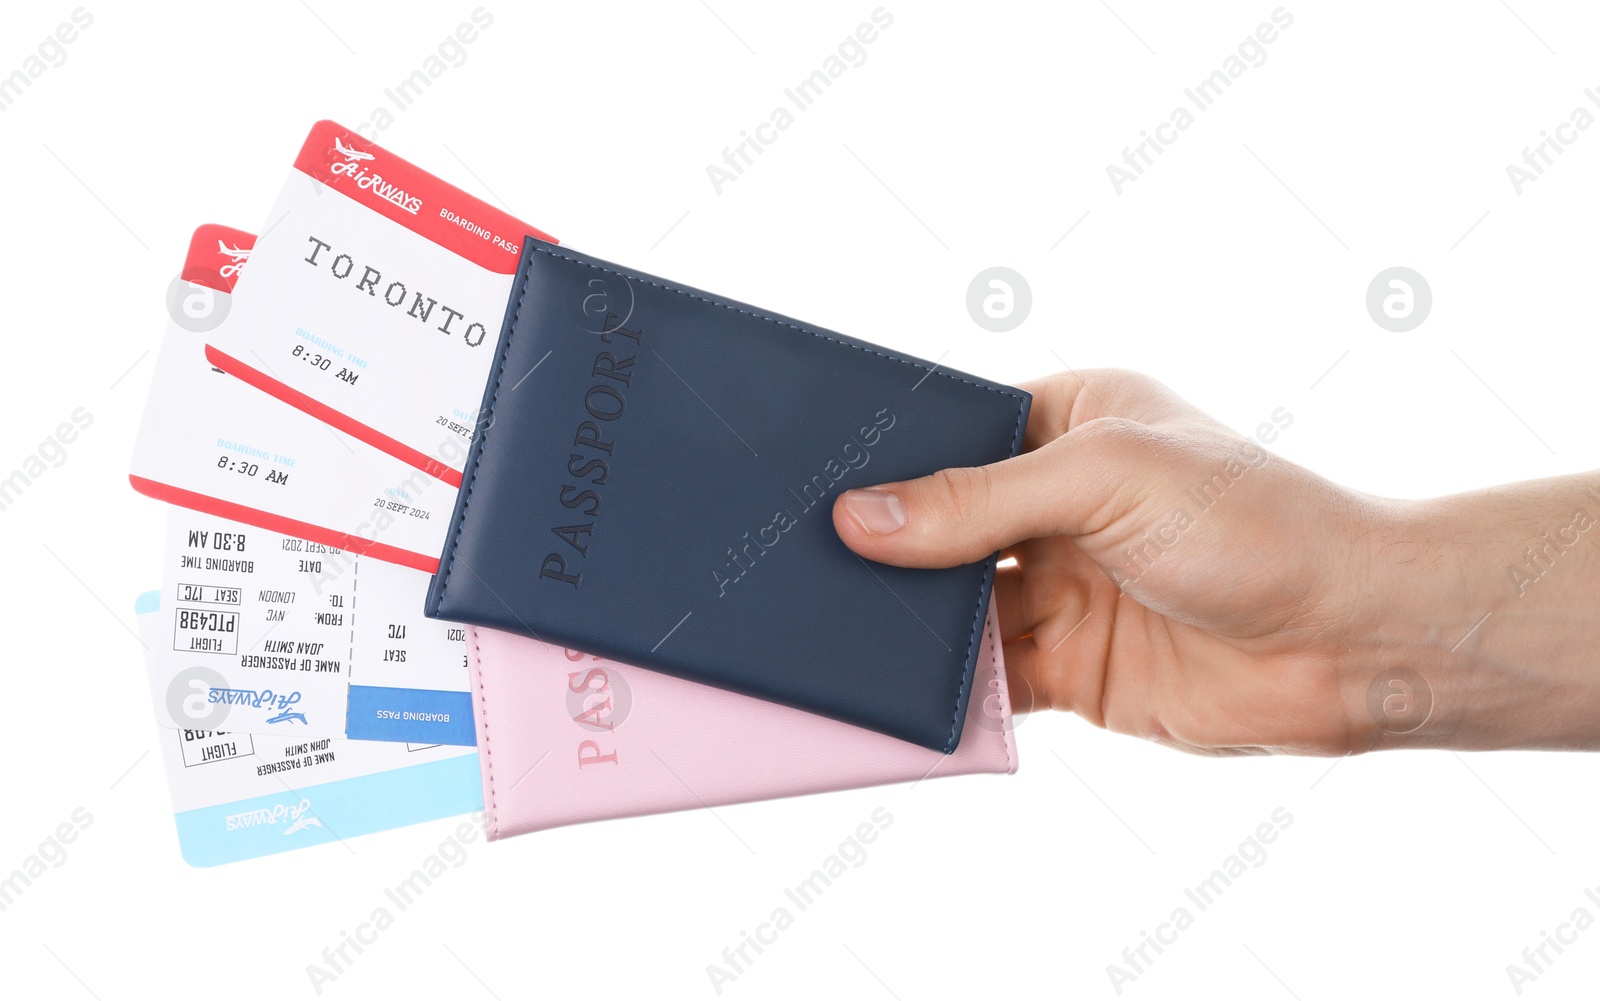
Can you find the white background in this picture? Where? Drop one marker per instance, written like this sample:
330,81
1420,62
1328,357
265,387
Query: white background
1374,135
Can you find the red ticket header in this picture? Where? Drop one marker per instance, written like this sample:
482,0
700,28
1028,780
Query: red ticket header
216,256
407,194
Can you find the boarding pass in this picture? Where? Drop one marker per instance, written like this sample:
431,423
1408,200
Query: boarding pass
266,633
238,796
213,443
374,300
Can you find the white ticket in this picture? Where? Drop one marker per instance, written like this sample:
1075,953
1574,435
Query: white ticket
374,301
266,633
213,443
238,795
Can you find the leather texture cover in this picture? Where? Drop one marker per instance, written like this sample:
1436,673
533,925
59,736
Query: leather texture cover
652,480
564,738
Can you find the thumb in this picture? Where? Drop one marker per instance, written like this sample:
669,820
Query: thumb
1073,485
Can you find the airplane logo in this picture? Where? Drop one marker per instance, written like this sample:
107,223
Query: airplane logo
239,258
351,155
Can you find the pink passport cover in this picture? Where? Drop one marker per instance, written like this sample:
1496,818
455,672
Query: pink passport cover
565,738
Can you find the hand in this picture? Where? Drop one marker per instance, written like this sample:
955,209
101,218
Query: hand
1176,581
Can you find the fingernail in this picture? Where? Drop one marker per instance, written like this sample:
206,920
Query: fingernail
879,512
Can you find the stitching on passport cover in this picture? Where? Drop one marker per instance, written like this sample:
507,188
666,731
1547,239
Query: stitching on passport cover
488,758
994,669
782,323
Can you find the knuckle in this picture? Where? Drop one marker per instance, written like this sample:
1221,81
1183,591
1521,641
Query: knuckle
1131,387
1111,437
1138,382
1122,464
1109,429
960,494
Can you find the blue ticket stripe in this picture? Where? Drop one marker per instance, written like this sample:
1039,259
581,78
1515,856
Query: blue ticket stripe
331,811
411,715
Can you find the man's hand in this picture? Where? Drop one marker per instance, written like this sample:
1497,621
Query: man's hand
1176,581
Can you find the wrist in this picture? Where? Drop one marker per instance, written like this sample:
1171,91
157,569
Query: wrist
1480,626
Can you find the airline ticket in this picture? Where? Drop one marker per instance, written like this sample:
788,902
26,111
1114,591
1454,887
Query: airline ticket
374,300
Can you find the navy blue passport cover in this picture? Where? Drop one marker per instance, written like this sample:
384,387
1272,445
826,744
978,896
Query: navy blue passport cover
652,480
